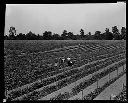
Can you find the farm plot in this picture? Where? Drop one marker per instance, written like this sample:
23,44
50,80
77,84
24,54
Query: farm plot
68,73
46,79
37,66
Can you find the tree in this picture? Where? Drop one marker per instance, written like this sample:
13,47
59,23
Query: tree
115,32
70,35
12,32
108,35
89,33
38,37
77,37
82,33
97,35
47,35
31,36
123,33
56,36
21,36
64,35
89,36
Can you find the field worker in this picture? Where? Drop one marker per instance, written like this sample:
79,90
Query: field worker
61,61
68,59
69,62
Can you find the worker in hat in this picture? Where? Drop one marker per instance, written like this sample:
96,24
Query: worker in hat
69,62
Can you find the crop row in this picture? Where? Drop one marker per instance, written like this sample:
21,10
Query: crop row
38,61
37,72
33,66
86,83
87,69
76,51
97,91
81,86
93,57
57,70
49,89
39,57
81,74
63,75
37,46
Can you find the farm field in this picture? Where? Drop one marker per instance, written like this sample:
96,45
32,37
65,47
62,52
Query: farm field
31,73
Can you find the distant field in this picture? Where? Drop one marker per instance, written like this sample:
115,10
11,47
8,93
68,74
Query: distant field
45,45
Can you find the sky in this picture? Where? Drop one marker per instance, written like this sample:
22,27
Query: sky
39,18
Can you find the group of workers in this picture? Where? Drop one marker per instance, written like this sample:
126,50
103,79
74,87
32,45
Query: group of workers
64,61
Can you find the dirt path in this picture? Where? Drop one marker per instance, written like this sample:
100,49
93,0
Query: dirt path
114,89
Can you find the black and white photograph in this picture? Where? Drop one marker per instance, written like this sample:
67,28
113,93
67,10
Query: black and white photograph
73,51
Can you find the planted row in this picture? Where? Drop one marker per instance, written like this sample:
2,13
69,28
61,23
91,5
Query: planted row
85,71
52,88
97,91
54,79
86,83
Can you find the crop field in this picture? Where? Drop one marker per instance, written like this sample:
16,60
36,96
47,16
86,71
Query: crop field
33,70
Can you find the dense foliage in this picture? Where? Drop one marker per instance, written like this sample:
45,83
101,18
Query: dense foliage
48,35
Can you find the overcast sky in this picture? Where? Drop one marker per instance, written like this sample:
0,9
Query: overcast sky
58,17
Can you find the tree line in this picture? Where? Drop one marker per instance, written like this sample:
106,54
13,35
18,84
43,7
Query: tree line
48,35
